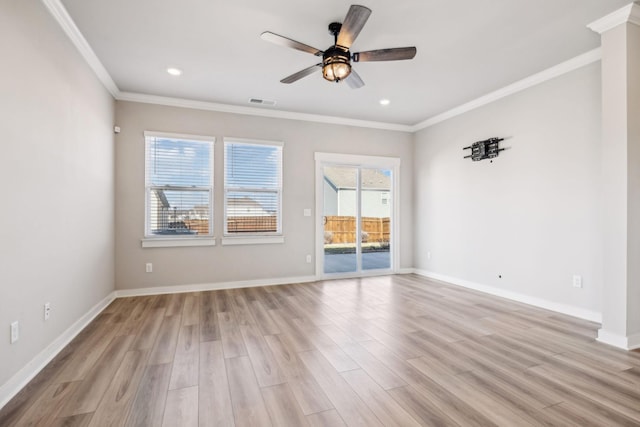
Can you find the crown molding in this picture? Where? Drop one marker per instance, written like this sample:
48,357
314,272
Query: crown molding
251,111
630,13
572,64
536,79
61,15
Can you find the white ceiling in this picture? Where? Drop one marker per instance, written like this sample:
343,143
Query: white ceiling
466,49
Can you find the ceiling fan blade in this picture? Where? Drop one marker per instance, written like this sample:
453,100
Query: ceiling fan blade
300,74
394,54
287,42
353,80
352,25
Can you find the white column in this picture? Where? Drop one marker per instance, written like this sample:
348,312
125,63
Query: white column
620,33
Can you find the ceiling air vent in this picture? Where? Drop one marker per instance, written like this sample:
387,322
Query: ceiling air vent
257,101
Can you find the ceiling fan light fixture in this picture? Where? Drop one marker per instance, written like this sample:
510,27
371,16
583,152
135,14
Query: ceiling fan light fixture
336,61
336,64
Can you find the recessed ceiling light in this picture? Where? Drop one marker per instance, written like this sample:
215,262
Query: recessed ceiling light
174,71
385,102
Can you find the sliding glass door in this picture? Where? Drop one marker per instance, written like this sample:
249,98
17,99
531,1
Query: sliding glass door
357,216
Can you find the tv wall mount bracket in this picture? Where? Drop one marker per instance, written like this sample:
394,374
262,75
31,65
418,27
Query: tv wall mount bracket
487,149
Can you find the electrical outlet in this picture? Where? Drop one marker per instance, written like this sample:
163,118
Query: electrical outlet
149,267
47,310
15,332
308,259
577,281
428,254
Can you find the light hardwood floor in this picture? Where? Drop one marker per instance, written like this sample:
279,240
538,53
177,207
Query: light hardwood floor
393,350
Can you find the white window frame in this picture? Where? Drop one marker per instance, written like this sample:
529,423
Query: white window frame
257,237
154,241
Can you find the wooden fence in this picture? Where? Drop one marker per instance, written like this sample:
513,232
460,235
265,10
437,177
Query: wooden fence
238,224
338,229
252,224
342,229
199,225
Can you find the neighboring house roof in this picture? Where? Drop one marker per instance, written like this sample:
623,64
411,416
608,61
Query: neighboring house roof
162,198
244,205
345,178
201,208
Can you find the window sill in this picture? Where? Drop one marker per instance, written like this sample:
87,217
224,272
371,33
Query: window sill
253,240
152,242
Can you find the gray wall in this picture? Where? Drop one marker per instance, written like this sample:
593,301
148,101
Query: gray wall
533,215
56,170
198,265
371,203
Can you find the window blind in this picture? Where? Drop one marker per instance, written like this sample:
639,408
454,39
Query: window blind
253,185
179,184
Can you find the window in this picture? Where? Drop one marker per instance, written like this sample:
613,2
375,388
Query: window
252,188
179,186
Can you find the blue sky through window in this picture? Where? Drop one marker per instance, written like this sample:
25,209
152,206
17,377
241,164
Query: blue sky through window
252,166
180,163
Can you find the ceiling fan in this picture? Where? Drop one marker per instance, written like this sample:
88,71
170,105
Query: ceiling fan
336,60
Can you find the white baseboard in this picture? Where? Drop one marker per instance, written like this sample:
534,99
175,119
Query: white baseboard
515,296
633,342
630,342
9,389
176,289
31,369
